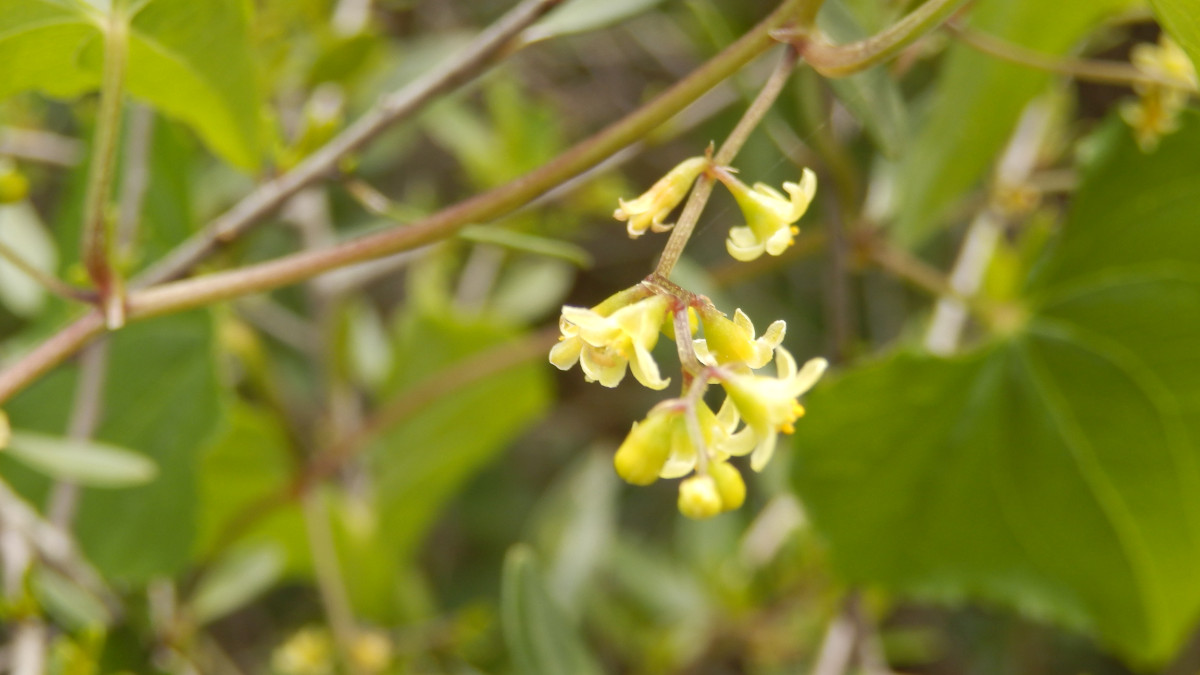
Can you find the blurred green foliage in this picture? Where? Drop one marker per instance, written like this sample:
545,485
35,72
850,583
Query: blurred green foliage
377,471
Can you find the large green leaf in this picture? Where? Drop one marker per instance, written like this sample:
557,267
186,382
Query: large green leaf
1181,18
191,60
249,462
1057,470
160,399
977,101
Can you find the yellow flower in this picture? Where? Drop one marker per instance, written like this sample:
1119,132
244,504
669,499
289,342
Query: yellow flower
728,341
1156,112
5,430
308,652
769,215
768,404
1166,60
717,432
649,210
370,651
604,340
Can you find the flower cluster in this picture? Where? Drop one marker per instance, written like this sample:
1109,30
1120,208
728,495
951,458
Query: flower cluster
683,437
1156,112
769,214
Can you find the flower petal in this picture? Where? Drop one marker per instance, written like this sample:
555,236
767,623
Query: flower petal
566,353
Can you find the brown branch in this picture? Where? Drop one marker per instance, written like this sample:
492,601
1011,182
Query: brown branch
178,296
398,106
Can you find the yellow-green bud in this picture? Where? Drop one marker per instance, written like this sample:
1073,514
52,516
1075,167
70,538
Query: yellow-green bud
14,186
730,485
699,498
727,341
642,456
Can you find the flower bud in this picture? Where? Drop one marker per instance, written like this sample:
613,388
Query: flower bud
646,449
730,485
699,497
728,341
14,186
649,210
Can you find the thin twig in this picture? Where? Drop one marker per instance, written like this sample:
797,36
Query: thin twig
841,60
202,291
54,546
1018,161
404,406
729,149
328,575
35,145
47,281
906,266
398,106
86,410
1091,70
136,179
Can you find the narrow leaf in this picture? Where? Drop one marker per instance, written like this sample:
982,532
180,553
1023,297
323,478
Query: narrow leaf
88,463
539,637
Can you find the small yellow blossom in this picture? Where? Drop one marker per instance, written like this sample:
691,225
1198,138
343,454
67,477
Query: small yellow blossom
370,651
769,215
728,341
649,210
1166,60
5,430
308,652
717,433
768,404
604,341
1156,112
1154,115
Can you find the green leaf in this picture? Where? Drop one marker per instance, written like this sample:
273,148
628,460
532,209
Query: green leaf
539,637
421,462
247,463
575,525
173,62
234,581
70,605
1181,18
872,96
977,102
22,231
160,397
580,16
85,462
1058,470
